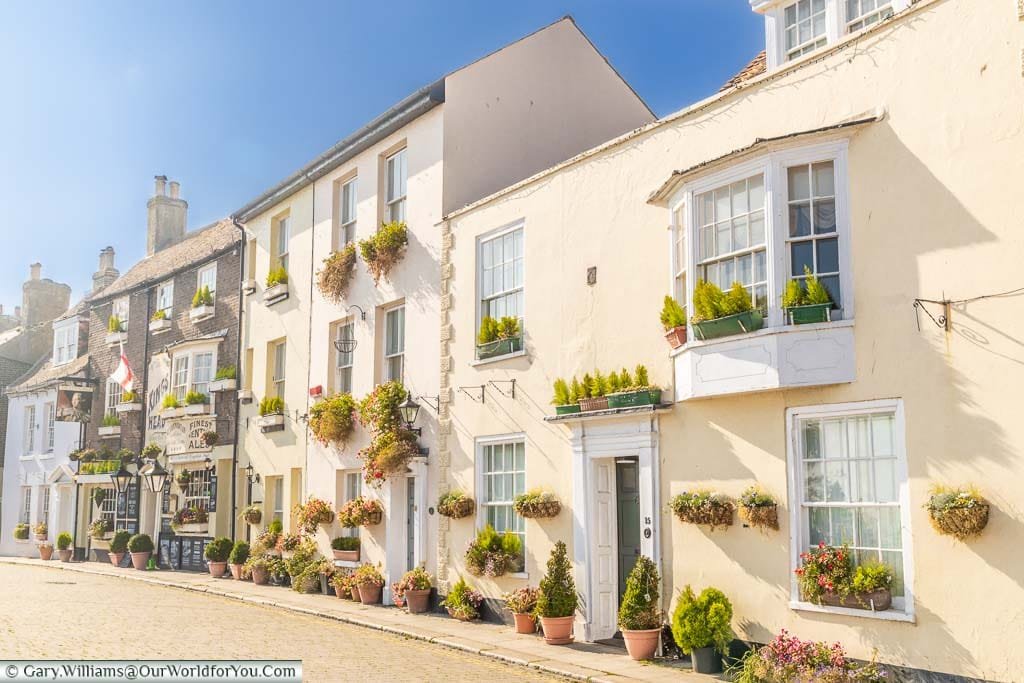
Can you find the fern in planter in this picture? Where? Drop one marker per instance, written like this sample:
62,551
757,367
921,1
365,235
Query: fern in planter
226,372
384,249
334,277
673,315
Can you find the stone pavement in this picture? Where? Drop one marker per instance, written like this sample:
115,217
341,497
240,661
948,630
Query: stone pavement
580,661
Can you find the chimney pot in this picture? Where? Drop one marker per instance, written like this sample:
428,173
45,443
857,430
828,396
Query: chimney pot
34,270
161,184
175,188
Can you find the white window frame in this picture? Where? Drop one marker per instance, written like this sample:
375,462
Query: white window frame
283,235
186,381
50,411
903,608
481,484
65,343
165,297
207,275
348,212
344,361
773,165
482,301
25,514
388,356
30,429
352,485
121,307
877,14
395,197
277,495
196,493
112,397
44,506
279,367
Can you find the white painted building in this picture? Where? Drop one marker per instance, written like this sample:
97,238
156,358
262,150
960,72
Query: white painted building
38,481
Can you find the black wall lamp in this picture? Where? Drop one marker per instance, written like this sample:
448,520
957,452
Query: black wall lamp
410,410
251,474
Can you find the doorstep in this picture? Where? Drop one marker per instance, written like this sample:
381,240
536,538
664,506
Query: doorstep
580,661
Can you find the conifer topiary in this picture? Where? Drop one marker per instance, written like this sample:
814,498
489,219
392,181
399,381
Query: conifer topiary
557,596
640,609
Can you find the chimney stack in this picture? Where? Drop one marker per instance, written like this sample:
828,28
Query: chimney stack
167,216
34,270
107,273
42,300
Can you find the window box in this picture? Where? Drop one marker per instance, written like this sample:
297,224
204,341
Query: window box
170,413
346,555
117,338
271,423
249,286
278,292
501,347
676,336
223,385
567,410
161,325
197,529
245,396
630,399
597,403
110,431
740,323
876,601
128,407
814,313
200,313
198,409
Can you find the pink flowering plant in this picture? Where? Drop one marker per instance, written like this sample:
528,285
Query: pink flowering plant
360,512
314,512
825,569
787,659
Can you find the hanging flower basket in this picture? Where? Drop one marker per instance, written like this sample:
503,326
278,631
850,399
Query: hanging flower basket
760,516
455,505
961,513
361,512
537,505
703,507
252,515
313,513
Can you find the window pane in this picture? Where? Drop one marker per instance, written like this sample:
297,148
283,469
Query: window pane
837,484
824,179
885,480
757,228
842,526
831,283
815,485
833,432
867,527
882,436
890,532
863,490
740,237
824,216
738,191
812,439
801,256
799,183
799,220
818,525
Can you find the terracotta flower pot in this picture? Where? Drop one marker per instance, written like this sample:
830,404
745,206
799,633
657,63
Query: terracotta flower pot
260,576
676,336
557,630
45,552
217,569
353,594
641,644
341,592
236,571
418,601
115,558
139,560
65,555
525,623
347,555
369,593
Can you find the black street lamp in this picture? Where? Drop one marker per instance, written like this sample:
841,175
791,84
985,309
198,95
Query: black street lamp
122,479
410,410
155,475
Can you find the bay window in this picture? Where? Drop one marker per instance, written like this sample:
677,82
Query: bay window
812,238
192,370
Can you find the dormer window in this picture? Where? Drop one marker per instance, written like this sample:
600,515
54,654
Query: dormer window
805,27
65,342
862,13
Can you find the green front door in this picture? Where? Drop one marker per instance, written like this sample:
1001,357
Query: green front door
627,504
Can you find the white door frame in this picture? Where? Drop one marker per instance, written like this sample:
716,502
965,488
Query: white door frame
615,436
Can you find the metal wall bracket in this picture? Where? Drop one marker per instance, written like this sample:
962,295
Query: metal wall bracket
482,389
512,387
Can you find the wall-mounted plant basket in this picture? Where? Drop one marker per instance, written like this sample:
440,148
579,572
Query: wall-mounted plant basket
537,505
961,513
702,507
597,403
812,313
760,516
740,323
632,399
455,506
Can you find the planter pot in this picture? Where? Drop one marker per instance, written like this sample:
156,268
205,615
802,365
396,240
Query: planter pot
223,385
557,630
369,593
961,523
325,585
418,600
199,528
271,423
128,408
676,336
115,558
374,518
217,569
353,594
877,601
641,644
109,431
739,323
275,293
399,600
259,576
630,399
588,404
347,555
45,552
139,560
525,623
161,325
501,347
815,313
460,617
706,660
236,571
117,338
65,555
39,537
200,313
567,410
342,593
761,516
197,409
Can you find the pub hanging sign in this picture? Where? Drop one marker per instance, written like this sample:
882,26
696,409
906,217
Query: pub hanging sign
186,436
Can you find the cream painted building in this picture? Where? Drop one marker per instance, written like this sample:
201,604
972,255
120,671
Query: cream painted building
480,128
879,153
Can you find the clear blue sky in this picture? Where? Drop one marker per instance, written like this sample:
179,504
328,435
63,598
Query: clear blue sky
230,97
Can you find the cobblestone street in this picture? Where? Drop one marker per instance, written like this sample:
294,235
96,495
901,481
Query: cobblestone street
54,614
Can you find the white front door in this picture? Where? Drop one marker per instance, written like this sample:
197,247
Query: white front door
605,558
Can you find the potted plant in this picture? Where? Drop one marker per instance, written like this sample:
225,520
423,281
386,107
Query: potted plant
361,511
196,403
288,544
455,505
633,391
45,549
21,531
252,514
787,658
346,548
414,589
271,414
810,303
537,504
342,582
701,627
190,520
384,249
225,379
827,576
640,617
369,581
100,528
115,331
958,512
557,599
493,554
159,322
462,602
239,556
151,451
703,507
202,304
332,419
522,603
673,319
257,568
171,407
130,403
217,553
595,389
334,277
313,513
209,439
64,550
110,425
40,531
141,548
759,509
719,314
498,337
118,546
563,399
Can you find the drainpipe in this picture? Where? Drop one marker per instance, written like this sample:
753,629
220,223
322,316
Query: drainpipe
142,443
309,339
238,362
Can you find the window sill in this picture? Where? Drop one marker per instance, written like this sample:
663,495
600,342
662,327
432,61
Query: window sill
26,458
498,359
518,575
887,615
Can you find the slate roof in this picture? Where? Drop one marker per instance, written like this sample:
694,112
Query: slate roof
194,248
44,372
757,66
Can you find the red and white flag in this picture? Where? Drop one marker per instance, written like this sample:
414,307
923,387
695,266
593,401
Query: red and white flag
123,375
